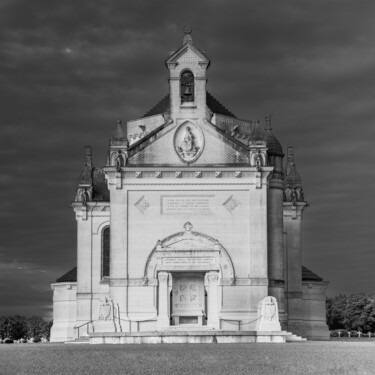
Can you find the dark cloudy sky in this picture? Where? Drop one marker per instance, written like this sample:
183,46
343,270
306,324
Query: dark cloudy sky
70,69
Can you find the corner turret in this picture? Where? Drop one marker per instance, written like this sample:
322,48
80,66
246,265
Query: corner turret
293,182
85,183
118,148
275,151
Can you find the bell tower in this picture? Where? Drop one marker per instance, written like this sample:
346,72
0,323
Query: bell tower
187,80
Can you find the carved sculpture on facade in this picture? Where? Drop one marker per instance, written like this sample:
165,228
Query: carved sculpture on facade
106,309
189,142
119,161
188,146
257,159
83,195
83,198
294,195
268,315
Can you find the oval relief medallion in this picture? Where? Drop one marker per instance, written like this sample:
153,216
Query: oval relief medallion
188,142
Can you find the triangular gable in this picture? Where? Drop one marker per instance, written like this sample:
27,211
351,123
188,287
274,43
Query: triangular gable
159,149
173,59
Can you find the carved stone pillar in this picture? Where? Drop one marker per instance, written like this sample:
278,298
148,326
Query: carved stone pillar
213,303
163,311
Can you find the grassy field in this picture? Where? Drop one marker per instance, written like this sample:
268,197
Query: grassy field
295,358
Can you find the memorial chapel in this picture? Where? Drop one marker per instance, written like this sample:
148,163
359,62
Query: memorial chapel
194,219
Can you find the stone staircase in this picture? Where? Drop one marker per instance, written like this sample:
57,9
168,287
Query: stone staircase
187,327
80,340
291,337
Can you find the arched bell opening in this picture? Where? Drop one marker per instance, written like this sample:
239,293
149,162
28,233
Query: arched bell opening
187,93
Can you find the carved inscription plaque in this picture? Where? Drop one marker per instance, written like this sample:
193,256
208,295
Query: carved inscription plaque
197,261
186,204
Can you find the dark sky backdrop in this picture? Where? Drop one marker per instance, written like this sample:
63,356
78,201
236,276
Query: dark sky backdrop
70,69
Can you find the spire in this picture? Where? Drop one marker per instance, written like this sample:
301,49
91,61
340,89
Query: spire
268,122
187,37
119,133
274,146
118,147
88,156
85,183
85,176
257,134
292,175
293,182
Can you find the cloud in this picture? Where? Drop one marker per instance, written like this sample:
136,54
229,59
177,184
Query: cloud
70,69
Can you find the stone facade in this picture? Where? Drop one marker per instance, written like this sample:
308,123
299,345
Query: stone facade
204,222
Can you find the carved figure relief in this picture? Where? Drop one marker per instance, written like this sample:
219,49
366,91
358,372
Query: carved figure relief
268,315
294,195
106,309
83,195
83,198
189,142
119,162
257,159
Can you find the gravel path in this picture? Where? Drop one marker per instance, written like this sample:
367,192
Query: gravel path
336,358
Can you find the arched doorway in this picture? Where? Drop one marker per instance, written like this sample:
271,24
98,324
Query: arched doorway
189,264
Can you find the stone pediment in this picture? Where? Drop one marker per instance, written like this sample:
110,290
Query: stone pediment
190,143
189,251
190,241
187,51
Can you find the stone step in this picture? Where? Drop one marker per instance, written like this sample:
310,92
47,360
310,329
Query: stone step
187,327
80,340
291,337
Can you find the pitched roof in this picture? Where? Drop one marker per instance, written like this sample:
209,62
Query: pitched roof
71,276
308,275
100,187
161,107
212,103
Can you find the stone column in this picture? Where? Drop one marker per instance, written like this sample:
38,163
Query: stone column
163,311
276,245
292,227
213,305
118,284
84,267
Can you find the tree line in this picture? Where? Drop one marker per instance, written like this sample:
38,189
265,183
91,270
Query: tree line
353,313
19,327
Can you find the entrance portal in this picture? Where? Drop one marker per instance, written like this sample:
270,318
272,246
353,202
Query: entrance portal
188,302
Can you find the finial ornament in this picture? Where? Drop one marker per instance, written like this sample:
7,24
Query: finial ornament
268,121
188,226
187,37
187,29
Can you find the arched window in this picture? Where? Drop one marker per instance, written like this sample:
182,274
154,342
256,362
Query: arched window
105,252
187,86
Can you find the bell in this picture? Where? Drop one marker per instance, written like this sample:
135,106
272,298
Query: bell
187,90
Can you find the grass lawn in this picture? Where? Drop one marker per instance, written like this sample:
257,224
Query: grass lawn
178,359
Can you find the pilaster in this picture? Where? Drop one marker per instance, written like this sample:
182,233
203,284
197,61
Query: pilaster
163,310
276,244
213,303
292,231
